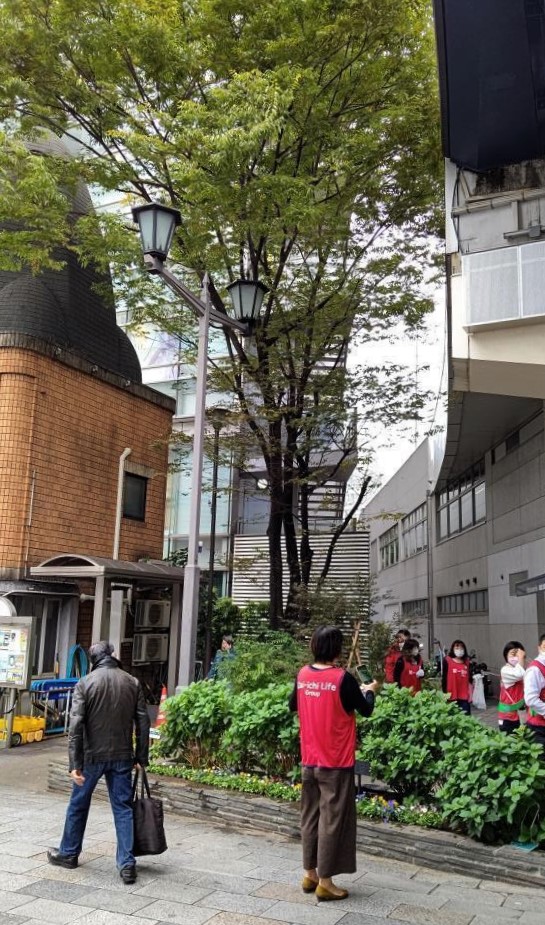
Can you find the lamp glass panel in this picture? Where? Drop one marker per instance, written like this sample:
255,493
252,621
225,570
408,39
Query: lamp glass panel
164,231
146,225
247,299
236,298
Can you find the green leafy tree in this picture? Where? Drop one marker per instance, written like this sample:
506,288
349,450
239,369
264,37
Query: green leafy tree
299,141
259,664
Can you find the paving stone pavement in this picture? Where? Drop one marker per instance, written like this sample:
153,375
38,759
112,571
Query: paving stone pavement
219,877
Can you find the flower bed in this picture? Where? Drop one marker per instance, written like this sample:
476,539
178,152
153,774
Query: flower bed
390,811
368,806
244,783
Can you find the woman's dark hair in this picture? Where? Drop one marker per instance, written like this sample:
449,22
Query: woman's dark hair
326,643
513,644
458,642
408,647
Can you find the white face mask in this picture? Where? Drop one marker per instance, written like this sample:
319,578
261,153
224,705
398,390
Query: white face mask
459,653
414,651
513,660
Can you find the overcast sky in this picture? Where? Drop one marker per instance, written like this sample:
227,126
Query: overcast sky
394,447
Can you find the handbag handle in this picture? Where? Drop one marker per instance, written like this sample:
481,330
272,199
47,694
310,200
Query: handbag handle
144,783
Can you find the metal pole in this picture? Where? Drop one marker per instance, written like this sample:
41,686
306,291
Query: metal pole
190,600
210,596
429,562
10,716
119,503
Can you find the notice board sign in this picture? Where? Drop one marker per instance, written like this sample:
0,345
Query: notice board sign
16,649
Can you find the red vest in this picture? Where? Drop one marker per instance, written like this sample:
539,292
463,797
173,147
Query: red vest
511,701
408,675
535,719
328,732
392,656
458,679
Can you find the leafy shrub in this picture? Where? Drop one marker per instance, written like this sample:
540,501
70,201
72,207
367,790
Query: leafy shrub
195,721
495,786
254,620
263,733
258,664
244,783
404,740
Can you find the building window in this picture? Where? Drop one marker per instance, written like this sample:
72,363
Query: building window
389,547
414,529
415,609
135,489
46,640
462,504
468,602
505,284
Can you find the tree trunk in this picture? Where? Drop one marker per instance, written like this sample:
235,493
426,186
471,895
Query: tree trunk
306,550
274,529
290,539
274,533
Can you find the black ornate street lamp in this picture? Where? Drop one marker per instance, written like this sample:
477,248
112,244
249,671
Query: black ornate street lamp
157,224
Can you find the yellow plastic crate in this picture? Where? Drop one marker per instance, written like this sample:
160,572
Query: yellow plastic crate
25,729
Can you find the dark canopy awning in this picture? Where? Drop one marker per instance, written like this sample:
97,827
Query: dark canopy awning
74,566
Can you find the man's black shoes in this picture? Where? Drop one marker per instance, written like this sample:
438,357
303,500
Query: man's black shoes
69,861
128,874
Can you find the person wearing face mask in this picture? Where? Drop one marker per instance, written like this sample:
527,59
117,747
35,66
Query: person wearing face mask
408,671
534,694
456,679
511,687
392,655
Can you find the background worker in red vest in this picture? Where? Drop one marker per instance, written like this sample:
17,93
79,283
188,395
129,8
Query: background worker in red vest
393,654
534,694
325,697
408,671
511,687
456,679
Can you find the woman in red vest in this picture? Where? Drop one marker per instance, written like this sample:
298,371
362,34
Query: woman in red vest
408,671
534,695
392,655
511,687
325,697
457,677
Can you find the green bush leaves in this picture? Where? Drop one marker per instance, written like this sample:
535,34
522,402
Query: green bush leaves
210,725
483,783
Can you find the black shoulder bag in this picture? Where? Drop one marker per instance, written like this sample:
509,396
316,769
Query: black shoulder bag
149,830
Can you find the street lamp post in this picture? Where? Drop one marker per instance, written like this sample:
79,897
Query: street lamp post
218,417
157,224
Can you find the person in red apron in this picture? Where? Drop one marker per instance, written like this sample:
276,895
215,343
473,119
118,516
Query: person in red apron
392,655
325,697
534,694
456,679
408,671
511,687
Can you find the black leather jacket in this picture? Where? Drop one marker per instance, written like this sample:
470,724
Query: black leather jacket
108,705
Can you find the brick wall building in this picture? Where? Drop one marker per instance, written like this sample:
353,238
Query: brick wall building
71,403
62,430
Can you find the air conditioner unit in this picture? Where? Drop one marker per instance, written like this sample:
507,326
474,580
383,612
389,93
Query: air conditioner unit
152,614
149,647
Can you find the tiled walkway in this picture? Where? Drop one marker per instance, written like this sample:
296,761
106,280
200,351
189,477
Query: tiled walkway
220,877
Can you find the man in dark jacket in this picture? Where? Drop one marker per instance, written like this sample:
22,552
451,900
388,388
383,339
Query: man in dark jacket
108,706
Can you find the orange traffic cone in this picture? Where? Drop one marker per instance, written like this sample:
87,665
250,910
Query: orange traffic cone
161,718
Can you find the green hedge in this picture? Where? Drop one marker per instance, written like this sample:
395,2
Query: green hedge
472,778
482,782
210,725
